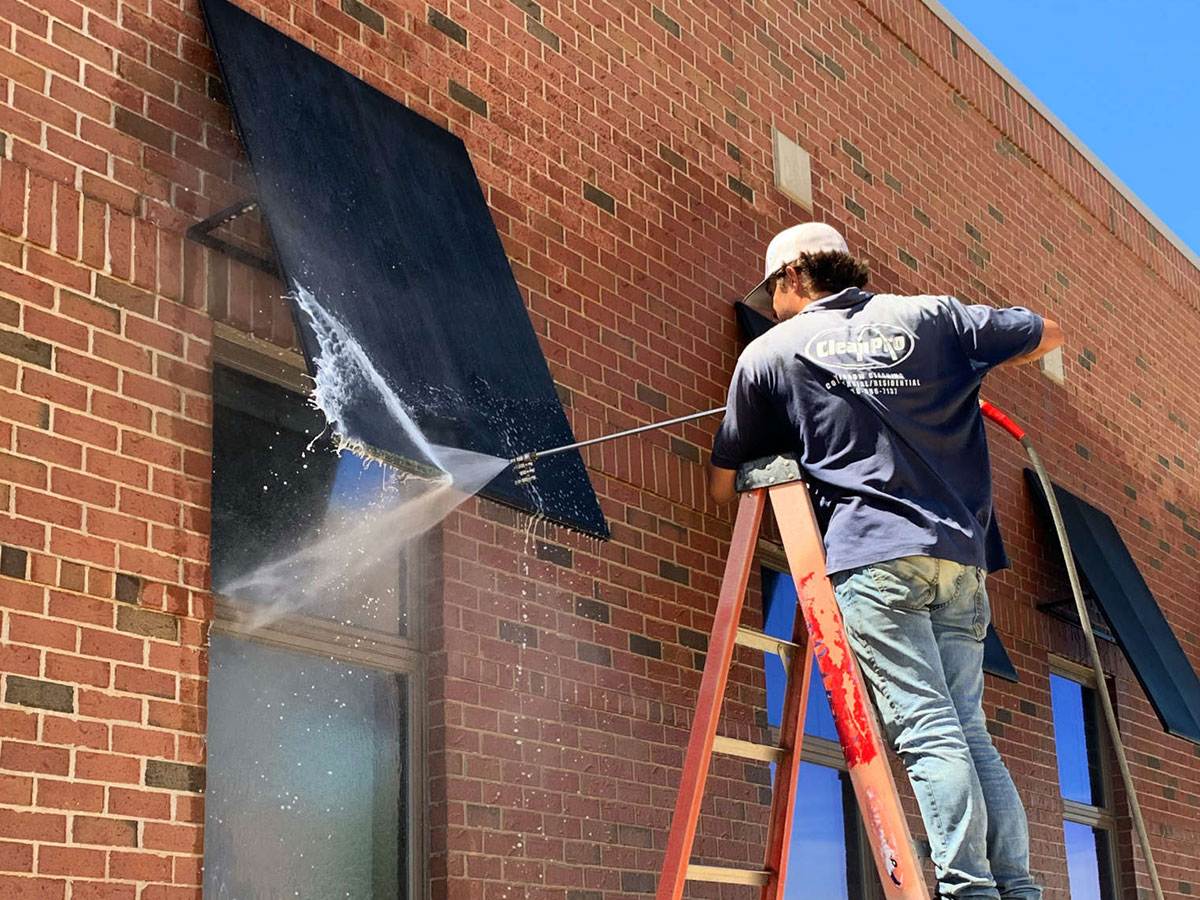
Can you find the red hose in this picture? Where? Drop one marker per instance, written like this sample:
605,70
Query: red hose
1002,420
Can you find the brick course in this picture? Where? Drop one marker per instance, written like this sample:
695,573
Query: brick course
625,151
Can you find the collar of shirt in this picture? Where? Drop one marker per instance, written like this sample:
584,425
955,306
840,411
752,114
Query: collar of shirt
843,299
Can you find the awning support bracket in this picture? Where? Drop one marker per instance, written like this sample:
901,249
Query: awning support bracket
1064,610
202,233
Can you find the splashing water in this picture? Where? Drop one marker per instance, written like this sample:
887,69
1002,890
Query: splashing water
359,541
344,371
363,533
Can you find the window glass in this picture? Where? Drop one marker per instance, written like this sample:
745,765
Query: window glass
1087,857
306,777
1086,832
817,863
823,861
284,507
779,612
1076,741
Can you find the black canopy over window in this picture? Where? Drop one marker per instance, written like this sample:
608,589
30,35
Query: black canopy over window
1109,573
377,214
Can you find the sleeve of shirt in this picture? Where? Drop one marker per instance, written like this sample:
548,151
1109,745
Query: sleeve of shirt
990,336
744,432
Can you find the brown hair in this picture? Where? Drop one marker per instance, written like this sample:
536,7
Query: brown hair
826,271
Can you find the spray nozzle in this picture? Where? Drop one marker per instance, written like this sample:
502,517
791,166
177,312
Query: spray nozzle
523,465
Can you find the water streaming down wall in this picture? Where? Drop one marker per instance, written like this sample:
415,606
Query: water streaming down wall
418,334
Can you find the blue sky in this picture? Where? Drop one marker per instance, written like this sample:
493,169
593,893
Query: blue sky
1119,75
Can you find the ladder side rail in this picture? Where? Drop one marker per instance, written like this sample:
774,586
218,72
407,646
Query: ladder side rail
783,801
711,694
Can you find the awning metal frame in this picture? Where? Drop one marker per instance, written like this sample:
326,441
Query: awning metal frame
202,233
1063,609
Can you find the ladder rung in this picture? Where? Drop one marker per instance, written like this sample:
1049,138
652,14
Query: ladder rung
747,749
748,637
727,876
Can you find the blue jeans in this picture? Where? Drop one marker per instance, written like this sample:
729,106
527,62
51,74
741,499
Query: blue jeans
917,625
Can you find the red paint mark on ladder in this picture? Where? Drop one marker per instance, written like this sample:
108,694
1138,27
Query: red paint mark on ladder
835,660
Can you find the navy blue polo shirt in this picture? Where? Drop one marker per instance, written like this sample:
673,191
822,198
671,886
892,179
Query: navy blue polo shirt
879,397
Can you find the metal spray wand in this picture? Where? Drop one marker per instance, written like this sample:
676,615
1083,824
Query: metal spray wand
524,464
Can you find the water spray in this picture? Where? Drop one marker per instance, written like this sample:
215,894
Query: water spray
524,464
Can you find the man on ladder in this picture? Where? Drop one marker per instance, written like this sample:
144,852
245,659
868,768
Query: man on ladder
877,395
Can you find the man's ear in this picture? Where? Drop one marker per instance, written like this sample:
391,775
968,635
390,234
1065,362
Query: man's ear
794,281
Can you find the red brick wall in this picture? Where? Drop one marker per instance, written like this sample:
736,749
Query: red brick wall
626,156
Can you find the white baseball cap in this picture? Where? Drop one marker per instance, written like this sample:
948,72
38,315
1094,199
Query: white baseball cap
787,247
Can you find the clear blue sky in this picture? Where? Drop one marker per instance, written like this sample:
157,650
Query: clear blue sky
1121,76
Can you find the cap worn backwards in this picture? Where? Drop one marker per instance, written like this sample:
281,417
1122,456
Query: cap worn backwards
787,247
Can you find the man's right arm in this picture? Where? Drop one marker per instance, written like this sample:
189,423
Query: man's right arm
742,434
722,483
1052,338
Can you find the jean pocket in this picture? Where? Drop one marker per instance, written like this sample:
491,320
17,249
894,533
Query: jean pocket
906,583
983,608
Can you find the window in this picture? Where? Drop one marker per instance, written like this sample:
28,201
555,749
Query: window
314,786
828,858
1083,783
279,491
306,791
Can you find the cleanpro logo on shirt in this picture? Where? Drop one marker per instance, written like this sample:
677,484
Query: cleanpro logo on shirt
874,345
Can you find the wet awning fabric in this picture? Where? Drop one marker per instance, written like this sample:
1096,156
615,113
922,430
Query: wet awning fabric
996,661
1110,574
377,213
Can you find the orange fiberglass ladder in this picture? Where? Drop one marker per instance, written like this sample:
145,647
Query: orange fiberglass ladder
817,633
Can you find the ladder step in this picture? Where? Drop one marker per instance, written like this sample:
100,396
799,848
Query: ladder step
748,637
727,876
747,749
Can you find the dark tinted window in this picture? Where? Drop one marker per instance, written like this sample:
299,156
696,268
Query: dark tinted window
1076,741
1088,871
824,861
279,491
274,469
779,613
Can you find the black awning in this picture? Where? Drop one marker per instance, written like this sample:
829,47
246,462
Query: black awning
751,322
377,214
1110,574
996,660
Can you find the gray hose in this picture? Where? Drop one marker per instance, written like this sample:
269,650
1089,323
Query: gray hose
1110,717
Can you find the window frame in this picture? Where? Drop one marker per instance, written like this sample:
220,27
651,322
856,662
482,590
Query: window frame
321,637
825,752
1102,817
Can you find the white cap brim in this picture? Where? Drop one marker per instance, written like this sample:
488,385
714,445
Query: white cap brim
760,298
